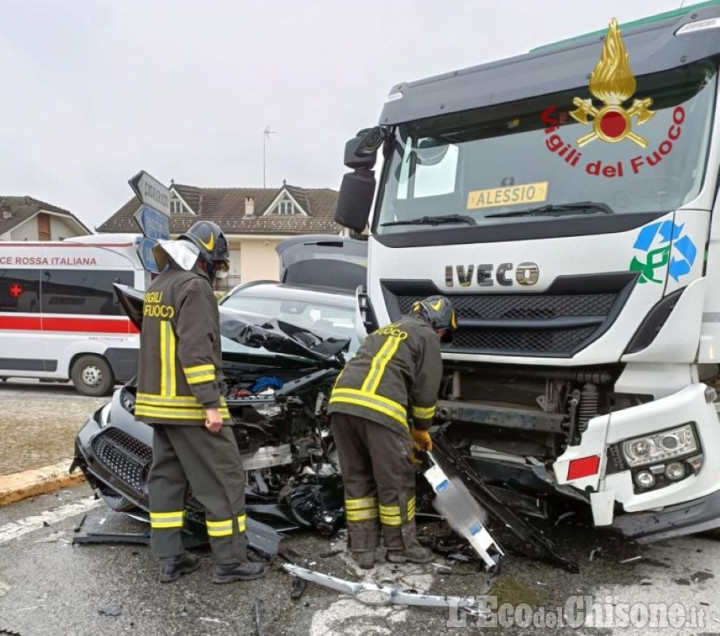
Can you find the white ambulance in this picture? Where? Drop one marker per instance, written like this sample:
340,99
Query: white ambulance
59,317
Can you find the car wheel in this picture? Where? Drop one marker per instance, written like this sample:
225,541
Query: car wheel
92,375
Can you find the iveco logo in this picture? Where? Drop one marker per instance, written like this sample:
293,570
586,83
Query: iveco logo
505,274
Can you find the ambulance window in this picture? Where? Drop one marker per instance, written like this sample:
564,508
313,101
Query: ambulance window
19,290
82,291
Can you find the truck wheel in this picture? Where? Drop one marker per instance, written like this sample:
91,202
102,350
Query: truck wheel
92,375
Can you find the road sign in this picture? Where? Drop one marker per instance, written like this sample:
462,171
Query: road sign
146,254
151,192
154,224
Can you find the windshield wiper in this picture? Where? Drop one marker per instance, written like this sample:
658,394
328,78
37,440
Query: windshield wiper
435,220
582,207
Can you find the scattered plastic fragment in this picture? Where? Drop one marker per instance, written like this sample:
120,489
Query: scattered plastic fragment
631,559
593,552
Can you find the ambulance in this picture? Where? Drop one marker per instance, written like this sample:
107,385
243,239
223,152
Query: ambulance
59,317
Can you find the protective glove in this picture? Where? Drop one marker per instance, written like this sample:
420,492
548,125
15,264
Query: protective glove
421,440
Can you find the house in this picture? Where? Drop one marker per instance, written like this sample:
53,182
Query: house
254,220
28,219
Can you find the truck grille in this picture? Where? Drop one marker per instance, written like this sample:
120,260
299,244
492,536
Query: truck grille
550,324
124,456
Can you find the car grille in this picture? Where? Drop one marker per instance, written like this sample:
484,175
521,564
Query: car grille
539,325
124,456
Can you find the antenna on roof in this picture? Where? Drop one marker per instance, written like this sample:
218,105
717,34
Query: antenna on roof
266,137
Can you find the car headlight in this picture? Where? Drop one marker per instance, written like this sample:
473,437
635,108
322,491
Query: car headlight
660,447
104,415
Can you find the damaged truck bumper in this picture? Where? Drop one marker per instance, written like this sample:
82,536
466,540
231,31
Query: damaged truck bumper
657,461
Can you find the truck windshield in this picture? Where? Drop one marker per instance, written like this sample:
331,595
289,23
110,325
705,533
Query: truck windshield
565,154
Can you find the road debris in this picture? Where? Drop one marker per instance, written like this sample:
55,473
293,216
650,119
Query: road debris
110,610
382,595
631,559
259,616
593,552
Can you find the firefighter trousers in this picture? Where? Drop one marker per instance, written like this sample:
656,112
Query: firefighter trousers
379,483
211,466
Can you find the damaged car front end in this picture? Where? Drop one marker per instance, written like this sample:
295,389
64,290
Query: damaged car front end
278,377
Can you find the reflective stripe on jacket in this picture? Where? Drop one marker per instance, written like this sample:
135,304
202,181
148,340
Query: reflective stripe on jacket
179,369
398,367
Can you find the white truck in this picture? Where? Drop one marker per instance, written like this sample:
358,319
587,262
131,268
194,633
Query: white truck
566,201
59,317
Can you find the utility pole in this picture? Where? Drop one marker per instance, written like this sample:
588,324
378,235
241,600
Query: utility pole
266,137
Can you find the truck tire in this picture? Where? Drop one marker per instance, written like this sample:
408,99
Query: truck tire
92,376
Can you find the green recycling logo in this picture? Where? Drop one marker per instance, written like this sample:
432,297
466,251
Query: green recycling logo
663,244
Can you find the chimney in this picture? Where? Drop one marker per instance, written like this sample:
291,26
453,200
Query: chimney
7,213
249,206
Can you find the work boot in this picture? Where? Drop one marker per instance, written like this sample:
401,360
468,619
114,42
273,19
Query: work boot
416,554
402,545
230,572
171,569
364,558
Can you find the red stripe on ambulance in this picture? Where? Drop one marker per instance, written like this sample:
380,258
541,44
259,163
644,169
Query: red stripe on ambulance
74,325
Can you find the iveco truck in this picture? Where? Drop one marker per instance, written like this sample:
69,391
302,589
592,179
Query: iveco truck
566,201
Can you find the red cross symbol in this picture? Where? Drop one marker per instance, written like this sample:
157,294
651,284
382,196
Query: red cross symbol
15,290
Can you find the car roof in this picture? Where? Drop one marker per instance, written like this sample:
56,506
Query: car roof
274,289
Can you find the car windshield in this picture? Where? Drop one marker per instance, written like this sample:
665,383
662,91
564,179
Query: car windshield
546,157
322,319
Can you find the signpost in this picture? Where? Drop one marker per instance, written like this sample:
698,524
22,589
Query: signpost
146,254
153,216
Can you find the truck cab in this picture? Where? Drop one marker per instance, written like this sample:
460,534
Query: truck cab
566,202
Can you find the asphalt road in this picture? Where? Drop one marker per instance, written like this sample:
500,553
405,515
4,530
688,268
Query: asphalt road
50,587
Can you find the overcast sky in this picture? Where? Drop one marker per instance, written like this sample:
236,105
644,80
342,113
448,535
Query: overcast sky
95,90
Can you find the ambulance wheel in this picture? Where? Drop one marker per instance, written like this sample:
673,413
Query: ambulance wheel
92,376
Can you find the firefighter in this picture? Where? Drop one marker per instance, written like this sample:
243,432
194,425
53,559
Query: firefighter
179,394
393,377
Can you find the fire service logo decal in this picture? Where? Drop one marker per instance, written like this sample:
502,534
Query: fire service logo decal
612,83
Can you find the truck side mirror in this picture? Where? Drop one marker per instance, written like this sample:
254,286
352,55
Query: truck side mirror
358,187
361,150
355,199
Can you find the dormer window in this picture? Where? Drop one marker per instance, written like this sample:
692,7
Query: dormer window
176,205
285,206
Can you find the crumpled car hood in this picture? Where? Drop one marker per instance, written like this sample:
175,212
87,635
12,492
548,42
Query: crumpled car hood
274,335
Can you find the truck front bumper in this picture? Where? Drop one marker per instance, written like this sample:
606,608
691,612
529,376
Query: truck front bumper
610,490
674,521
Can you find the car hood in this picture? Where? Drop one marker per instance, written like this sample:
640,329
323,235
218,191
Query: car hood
275,336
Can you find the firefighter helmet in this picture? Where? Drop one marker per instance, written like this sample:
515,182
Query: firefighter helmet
439,312
210,240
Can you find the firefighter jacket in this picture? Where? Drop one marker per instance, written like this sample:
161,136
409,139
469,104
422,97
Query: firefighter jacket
179,363
395,374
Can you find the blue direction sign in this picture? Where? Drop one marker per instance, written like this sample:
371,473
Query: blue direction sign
154,224
145,252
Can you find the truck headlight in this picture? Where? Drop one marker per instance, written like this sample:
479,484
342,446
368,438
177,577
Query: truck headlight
660,447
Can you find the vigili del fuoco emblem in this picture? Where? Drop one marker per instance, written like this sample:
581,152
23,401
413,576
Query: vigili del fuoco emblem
612,83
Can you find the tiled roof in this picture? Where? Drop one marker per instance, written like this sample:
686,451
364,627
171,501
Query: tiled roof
226,207
23,208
